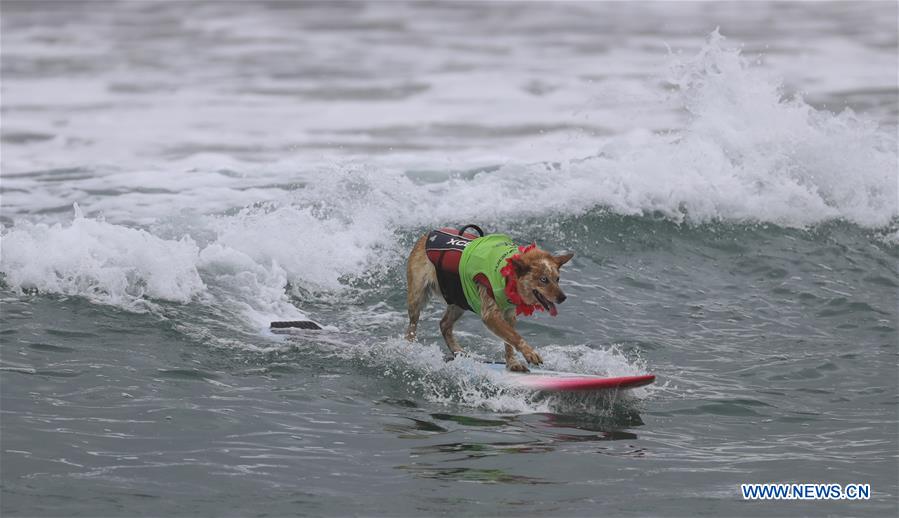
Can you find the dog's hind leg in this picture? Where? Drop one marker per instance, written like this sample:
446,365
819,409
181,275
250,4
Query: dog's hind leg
420,277
452,314
416,299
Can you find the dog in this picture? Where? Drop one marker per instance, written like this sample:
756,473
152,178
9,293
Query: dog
488,275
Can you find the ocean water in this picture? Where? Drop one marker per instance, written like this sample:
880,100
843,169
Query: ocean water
177,175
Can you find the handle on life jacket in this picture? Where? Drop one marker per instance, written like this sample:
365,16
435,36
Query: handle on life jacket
475,227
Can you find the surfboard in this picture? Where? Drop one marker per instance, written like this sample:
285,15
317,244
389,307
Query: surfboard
545,380
288,326
538,380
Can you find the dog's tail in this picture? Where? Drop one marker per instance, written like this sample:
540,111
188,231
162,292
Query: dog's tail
421,275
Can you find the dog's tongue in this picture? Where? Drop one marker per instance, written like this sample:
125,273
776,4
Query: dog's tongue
552,309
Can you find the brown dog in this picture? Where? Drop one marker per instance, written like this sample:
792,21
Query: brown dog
503,280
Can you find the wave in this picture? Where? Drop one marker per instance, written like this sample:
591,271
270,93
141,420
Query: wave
746,154
135,270
103,262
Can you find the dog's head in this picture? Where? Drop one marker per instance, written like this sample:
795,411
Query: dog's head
538,278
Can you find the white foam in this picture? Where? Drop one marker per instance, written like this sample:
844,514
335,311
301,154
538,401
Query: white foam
133,269
584,359
247,288
466,380
106,263
313,245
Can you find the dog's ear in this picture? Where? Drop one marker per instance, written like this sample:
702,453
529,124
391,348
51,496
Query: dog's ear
562,259
520,266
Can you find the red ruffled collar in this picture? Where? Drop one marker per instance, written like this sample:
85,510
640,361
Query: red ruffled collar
511,289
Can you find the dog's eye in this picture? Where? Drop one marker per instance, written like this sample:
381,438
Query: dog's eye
544,280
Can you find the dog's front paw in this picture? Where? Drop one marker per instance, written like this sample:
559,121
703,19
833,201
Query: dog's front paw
516,366
531,356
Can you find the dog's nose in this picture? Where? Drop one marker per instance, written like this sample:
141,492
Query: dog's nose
561,298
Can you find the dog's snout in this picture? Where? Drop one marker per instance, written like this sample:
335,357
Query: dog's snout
561,298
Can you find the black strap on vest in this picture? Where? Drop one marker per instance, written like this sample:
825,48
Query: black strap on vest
475,227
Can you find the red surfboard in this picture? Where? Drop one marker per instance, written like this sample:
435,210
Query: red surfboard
554,381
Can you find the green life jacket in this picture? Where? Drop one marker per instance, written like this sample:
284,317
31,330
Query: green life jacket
486,255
